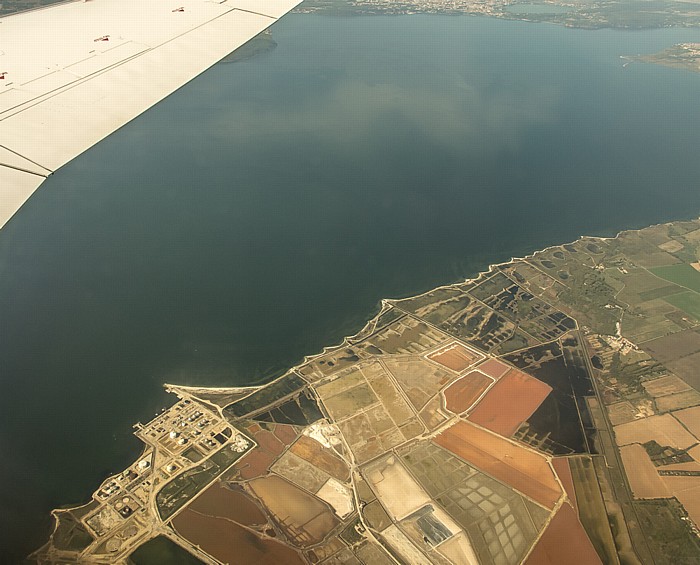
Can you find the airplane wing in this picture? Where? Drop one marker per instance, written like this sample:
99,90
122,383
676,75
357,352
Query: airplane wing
72,73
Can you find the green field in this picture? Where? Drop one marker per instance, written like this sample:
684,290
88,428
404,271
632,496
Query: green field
681,274
689,302
670,539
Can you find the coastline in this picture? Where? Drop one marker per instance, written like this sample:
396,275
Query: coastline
387,303
221,404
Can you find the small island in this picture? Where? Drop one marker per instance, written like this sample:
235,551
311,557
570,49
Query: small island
681,56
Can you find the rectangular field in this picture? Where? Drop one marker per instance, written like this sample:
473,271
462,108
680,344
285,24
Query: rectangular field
678,401
690,418
494,368
641,472
689,302
681,274
591,506
400,494
463,393
321,457
510,402
674,346
669,384
455,357
522,469
419,379
664,429
305,519
621,413
686,369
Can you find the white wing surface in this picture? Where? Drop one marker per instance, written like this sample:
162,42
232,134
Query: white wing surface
71,74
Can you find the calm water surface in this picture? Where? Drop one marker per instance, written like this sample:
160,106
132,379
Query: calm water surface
261,212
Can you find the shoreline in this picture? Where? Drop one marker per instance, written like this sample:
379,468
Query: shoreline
384,302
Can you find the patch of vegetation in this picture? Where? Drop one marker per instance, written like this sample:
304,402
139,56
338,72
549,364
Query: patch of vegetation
665,455
70,534
351,535
689,302
588,295
267,395
670,538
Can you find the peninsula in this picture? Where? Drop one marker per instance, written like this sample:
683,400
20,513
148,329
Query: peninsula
554,395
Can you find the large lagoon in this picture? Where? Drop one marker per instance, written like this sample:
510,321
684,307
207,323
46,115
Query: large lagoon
262,211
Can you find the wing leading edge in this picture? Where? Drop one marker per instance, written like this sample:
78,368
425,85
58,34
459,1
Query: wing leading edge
73,73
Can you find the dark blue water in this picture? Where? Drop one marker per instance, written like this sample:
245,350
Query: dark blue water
262,211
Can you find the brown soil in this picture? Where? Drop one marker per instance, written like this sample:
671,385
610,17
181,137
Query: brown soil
674,346
456,357
494,368
516,466
510,402
564,541
253,428
690,418
642,474
221,502
321,457
664,429
461,394
303,517
563,471
231,543
269,442
255,463
285,433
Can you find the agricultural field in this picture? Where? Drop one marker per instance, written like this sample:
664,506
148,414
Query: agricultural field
509,403
671,540
642,473
664,429
690,418
681,274
463,394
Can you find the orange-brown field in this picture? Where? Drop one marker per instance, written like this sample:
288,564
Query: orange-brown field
321,457
522,469
563,471
642,473
270,446
220,502
511,401
303,517
564,541
494,368
462,393
455,357
254,464
231,543
285,433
